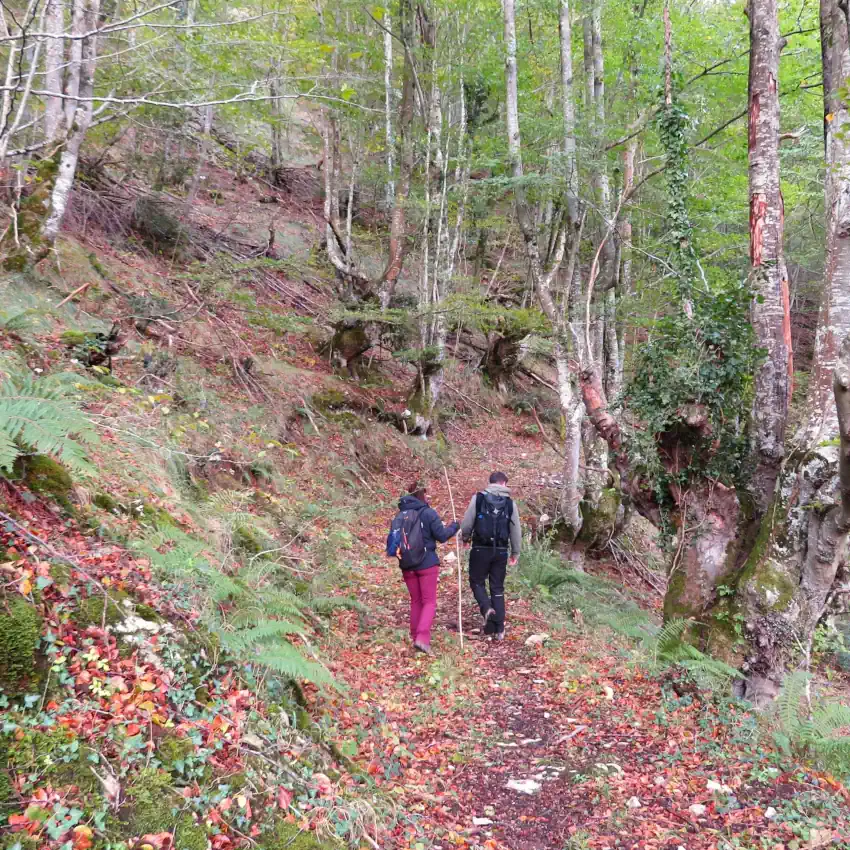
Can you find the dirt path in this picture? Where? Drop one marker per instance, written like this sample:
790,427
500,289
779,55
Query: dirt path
528,747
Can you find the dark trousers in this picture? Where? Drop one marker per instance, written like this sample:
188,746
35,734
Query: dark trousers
489,566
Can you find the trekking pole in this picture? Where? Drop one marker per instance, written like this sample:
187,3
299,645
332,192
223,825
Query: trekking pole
459,565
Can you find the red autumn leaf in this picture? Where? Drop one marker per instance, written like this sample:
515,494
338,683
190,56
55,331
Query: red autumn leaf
82,837
284,798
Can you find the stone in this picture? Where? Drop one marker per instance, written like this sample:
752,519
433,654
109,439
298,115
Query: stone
523,786
697,809
536,640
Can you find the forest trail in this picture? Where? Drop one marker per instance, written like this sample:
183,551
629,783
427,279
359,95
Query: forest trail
536,746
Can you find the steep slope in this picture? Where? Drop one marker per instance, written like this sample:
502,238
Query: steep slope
159,612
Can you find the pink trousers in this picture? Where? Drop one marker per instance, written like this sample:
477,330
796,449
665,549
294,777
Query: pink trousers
422,586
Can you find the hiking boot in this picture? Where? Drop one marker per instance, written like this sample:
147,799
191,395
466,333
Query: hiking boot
488,616
420,647
500,636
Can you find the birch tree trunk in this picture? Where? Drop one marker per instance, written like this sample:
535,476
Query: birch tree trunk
54,60
86,15
771,311
542,278
595,448
571,409
398,221
388,117
73,70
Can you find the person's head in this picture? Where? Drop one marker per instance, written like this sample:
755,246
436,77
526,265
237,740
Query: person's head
498,478
418,490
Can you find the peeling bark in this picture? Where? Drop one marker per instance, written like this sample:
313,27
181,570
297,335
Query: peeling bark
834,317
771,315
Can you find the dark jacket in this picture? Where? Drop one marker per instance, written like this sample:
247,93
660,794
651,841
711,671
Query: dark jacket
467,525
433,530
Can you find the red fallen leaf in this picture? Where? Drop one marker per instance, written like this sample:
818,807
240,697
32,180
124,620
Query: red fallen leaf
284,798
154,841
225,804
82,837
221,840
19,820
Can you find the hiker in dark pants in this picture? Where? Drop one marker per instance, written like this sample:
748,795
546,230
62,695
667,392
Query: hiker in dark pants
420,565
492,523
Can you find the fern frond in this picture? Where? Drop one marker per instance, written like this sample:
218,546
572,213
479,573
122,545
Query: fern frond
288,661
239,641
831,717
668,641
22,321
788,702
39,415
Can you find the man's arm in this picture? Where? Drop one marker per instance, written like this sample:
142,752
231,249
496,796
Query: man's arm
516,532
468,520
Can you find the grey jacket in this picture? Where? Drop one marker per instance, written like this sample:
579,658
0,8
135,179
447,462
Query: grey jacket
469,518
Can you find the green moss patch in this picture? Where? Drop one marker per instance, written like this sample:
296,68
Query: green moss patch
90,611
20,632
288,835
45,476
153,806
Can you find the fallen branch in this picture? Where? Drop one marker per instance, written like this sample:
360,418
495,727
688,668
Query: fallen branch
78,291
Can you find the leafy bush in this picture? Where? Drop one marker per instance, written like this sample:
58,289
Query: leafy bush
38,415
701,365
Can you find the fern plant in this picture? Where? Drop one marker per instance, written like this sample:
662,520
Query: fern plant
666,647
820,732
39,415
254,620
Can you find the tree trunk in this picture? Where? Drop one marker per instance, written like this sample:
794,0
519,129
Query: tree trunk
398,221
388,117
81,121
73,74
834,318
54,60
542,278
798,567
771,312
595,448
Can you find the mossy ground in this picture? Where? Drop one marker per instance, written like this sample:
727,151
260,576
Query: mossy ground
90,611
288,835
20,633
152,805
46,476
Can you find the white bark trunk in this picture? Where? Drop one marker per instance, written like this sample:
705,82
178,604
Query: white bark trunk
73,71
54,60
542,279
80,122
388,117
331,173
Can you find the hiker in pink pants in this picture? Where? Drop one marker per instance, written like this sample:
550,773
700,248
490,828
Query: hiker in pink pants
413,539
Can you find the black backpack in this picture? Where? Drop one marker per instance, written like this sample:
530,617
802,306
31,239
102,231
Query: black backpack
406,528
492,521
